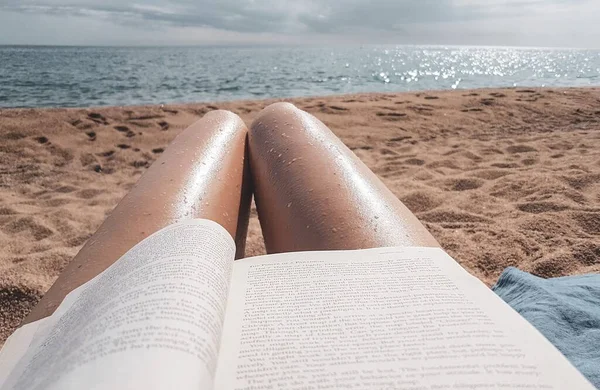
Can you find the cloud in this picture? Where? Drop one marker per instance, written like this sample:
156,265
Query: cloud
405,21
279,16
242,16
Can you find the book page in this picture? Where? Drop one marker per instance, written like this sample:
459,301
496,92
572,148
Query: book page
16,346
387,318
152,320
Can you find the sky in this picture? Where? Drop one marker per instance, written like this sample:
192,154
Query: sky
538,23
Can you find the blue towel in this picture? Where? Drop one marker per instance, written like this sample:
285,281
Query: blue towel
566,310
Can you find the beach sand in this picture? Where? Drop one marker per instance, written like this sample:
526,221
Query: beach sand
501,178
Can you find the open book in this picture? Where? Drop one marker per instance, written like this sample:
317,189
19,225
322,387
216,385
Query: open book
176,312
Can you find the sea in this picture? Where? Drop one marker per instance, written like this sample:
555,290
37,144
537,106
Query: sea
44,76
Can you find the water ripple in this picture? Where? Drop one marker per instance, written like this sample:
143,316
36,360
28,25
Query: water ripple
82,76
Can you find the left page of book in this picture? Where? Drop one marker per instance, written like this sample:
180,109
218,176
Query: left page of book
152,320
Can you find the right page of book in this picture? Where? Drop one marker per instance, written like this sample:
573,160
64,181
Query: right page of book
386,318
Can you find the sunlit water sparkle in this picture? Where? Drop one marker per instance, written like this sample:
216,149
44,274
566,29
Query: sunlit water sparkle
94,76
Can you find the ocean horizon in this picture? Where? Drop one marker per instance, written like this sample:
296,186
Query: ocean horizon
80,76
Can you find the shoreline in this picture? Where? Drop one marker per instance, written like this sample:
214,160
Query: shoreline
501,177
304,97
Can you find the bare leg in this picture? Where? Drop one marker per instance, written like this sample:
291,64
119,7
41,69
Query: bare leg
313,193
200,175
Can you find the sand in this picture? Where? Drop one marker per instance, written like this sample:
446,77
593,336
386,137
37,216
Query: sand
500,177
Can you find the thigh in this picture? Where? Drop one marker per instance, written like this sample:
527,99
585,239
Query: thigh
200,175
313,193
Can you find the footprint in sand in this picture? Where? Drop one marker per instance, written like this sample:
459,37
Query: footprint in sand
98,118
452,216
58,202
331,109
589,222
505,165
463,184
145,117
490,151
581,181
422,109
491,174
87,158
88,193
520,149
29,225
65,189
391,116
79,124
5,210
388,152
18,299
550,267
450,164
14,136
140,164
587,254
42,139
169,110
420,201
399,139
561,146
415,161
63,155
557,264
108,153
361,147
541,207
241,110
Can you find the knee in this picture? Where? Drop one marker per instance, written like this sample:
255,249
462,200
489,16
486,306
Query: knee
213,121
279,107
276,111
222,119
222,115
273,116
